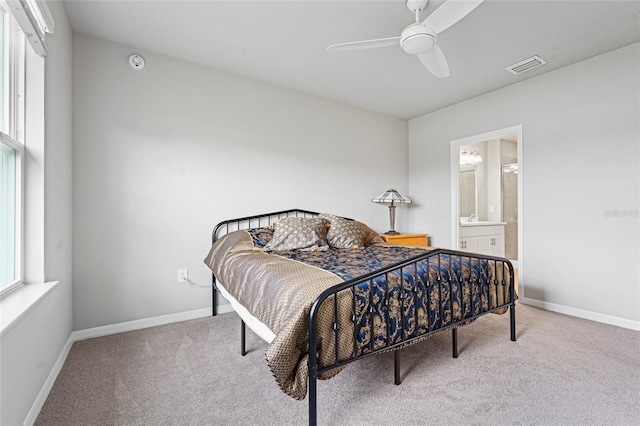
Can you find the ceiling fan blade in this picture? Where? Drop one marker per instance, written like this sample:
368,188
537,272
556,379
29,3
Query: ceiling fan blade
434,60
449,13
365,44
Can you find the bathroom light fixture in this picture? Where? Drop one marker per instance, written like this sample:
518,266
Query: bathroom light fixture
470,157
510,168
392,196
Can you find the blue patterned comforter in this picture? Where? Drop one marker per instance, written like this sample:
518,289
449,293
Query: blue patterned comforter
390,310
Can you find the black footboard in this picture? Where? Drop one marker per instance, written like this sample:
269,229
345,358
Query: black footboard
472,292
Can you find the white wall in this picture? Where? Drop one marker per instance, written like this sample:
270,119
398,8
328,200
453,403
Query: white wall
163,154
581,159
32,345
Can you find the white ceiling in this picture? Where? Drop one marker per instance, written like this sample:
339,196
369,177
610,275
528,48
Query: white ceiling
283,43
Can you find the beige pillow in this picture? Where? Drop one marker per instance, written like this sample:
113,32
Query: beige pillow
372,237
345,233
299,233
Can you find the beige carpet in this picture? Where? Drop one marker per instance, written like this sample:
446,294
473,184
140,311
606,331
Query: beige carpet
561,371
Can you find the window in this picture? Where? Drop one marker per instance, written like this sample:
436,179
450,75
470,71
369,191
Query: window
22,22
12,71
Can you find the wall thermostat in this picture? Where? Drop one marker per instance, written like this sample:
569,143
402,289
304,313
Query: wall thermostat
136,62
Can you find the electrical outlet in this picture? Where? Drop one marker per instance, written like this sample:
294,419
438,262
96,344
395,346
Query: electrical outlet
183,275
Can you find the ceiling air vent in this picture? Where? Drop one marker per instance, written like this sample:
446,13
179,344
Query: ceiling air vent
526,65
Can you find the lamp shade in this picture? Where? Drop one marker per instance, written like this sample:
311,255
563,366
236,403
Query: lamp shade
391,196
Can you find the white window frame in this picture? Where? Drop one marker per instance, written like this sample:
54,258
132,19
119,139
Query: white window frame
14,93
35,21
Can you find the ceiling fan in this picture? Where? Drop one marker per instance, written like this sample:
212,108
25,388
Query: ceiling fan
419,38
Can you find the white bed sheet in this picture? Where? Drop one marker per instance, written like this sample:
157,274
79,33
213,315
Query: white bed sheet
252,322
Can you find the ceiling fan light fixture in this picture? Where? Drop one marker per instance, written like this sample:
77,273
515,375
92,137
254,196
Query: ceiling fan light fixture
417,38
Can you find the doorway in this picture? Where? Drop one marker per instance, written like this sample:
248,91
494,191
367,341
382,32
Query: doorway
486,194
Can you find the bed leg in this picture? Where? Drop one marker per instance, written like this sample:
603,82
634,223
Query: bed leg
313,365
512,312
454,340
243,333
313,396
214,308
396,367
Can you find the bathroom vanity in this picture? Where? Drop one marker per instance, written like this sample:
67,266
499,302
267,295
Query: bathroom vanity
482,237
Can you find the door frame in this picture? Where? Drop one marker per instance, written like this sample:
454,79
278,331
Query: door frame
455,195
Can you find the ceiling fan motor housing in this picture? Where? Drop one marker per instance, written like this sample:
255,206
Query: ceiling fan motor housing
417,38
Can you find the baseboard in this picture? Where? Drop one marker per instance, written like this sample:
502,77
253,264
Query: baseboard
225,309
581,313
33,413
122,327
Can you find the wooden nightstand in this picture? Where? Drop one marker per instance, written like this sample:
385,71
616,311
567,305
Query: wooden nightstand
407,239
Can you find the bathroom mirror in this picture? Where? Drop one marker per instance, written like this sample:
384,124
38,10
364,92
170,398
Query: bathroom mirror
467,181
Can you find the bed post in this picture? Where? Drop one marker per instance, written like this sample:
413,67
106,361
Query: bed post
454,340
313,397
396,367
214,308
243,333
512,307
512,314
313,365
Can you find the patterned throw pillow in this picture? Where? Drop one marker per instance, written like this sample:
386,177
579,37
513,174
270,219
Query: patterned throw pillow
261,236
345,233
299,233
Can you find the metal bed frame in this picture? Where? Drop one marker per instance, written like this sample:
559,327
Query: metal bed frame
331,295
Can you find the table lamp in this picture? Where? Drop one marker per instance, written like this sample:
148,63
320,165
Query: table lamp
391,197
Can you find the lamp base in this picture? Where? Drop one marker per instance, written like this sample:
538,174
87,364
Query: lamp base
392,233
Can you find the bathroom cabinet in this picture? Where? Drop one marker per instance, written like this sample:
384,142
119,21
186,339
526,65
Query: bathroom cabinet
483,237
